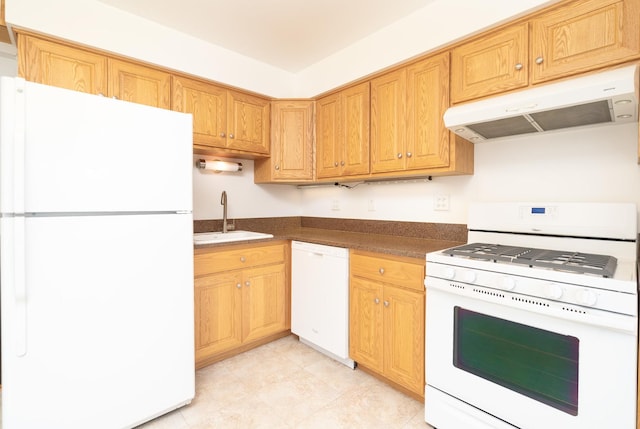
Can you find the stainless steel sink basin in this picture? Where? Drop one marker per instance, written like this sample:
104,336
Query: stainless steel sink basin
227,237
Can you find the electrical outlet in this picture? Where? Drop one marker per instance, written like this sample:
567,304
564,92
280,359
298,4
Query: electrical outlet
441,202
371,205
335,205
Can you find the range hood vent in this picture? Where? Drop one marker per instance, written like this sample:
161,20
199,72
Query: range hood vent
601,99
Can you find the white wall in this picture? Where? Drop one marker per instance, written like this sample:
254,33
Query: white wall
244,198
593,165
93,23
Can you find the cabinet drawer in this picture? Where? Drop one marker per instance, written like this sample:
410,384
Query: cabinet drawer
213,261
400,271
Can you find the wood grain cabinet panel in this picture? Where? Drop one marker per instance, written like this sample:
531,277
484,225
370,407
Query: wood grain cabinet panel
407,108
493,63
224,121
342,133
584,35
292,142
386,317
55,64
139,84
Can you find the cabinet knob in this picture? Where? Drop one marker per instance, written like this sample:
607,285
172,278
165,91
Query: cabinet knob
381,270
399,155
115,97
342,163
230,136
243,259
335,164
277,167
539,60
247,283
386,303
519,66
377,301
238,285
223,135
409,154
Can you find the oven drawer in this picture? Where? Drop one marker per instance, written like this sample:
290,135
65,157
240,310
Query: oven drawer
397,270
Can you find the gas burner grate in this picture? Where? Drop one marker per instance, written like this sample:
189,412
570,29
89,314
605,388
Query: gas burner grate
575,262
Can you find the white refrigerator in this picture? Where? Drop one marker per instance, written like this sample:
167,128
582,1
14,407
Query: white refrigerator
96,259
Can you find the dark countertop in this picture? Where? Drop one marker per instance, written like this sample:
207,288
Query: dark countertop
399,245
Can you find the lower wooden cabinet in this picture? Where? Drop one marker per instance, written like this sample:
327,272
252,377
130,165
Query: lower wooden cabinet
242,298
386,317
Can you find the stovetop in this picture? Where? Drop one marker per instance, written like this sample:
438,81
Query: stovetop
574,262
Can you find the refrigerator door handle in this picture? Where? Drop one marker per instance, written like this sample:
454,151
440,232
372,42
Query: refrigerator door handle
20,284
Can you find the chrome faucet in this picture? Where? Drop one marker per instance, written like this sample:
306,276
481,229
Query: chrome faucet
223,201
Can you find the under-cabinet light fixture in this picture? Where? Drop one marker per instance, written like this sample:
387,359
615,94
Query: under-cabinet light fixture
219,166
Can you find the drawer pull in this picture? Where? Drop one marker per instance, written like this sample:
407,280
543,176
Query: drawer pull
381,271
243,259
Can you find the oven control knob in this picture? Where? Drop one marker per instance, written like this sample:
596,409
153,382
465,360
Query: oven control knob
553,291
508,283
587,297
448,273
470,277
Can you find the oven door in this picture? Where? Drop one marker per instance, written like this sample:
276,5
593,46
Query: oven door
496,357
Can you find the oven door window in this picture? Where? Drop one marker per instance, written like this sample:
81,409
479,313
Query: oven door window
540,364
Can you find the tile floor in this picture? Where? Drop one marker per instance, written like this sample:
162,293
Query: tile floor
288,385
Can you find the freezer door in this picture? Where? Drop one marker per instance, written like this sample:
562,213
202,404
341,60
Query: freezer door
79,152
108,340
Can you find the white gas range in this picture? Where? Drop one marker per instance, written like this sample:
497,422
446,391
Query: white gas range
534,322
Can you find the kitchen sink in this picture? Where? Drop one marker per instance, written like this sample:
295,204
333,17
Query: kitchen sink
227,237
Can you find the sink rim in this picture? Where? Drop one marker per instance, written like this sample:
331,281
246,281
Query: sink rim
223,237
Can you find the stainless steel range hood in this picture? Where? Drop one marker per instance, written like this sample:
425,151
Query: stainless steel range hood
600,99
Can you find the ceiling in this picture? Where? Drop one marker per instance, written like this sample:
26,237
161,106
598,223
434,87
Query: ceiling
288,34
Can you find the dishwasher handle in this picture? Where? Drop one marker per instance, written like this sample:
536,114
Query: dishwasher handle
319,250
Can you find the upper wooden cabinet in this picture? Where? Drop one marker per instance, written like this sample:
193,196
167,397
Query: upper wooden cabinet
55,64
292,125
582,36
64,66
576,37
139,84
407,130
342,133
4,31
494,63
224,121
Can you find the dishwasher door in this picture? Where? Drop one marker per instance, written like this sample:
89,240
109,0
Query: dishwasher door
320,298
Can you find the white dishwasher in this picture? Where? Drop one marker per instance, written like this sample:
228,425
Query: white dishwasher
320,298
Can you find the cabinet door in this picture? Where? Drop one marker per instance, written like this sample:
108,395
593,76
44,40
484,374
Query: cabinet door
491,64
388,122
427,99
292,140
584,35
354,127
264,302
208,105
248,120
328,141
365,323
139,84
404,337
218,314
59,65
